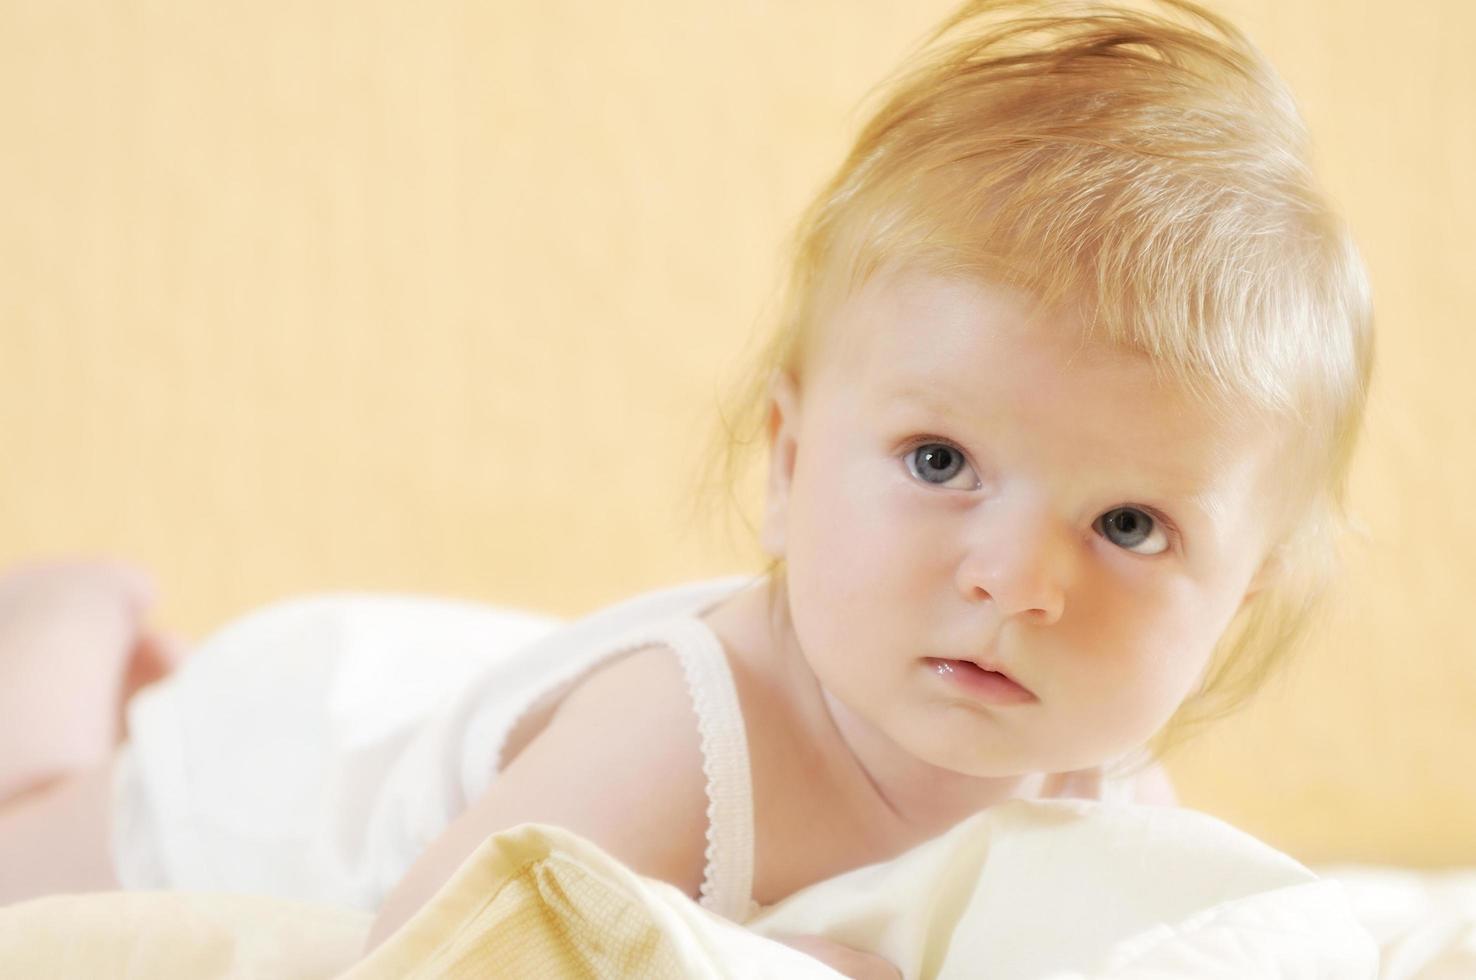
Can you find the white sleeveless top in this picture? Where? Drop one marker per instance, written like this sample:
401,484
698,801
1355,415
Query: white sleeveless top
312,750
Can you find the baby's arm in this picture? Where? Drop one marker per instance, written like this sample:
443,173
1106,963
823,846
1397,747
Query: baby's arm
72,637
54,838
620,763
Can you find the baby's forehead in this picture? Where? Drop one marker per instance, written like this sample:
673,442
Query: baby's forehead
913,328
980,355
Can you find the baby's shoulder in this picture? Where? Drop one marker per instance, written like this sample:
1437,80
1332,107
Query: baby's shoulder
642,699
625,744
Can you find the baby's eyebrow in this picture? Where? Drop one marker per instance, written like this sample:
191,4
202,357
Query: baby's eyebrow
1184,486
1208,503
925,397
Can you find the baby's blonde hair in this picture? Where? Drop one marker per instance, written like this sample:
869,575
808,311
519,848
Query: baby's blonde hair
1151,169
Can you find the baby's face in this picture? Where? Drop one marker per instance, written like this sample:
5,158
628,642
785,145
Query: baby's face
968,486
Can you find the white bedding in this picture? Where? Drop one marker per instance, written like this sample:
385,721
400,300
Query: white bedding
1072,889
1424,921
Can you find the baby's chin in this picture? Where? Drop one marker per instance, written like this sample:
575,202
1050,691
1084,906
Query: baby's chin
974,756
989,756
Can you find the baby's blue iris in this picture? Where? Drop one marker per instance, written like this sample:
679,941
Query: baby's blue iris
935,462
1132,525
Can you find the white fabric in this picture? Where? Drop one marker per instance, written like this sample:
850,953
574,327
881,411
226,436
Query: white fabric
1424,920
727,885
314,748
1082,890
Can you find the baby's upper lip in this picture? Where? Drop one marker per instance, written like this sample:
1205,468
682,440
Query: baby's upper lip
987,664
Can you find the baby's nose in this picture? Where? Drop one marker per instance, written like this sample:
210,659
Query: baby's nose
1020,563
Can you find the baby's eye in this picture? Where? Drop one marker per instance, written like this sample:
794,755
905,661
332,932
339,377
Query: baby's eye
939,464
1132,529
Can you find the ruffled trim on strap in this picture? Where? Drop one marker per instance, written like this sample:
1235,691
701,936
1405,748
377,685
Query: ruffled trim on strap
727,881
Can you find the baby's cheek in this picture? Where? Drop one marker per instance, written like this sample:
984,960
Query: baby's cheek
846,541
850,596
1141,643
817,556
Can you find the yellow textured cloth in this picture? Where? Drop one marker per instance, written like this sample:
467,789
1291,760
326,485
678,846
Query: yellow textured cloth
1027,890
177,936
548,918
539,902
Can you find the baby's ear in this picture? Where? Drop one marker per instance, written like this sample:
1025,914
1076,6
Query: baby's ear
782,427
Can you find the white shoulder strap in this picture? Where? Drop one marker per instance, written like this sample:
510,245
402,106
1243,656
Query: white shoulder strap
727,883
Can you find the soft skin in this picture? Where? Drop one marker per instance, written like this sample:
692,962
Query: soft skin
1011,559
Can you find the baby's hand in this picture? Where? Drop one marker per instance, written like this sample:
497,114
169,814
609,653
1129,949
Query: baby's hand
73,648
850,962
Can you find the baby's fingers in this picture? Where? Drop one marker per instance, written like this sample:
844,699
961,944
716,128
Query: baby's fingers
155,656
853,963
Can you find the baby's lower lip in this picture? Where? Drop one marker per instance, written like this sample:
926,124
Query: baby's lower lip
983,685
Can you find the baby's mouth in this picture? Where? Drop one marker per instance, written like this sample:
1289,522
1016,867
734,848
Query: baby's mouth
985,680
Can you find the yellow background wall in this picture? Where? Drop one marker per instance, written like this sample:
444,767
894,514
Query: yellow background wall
436,298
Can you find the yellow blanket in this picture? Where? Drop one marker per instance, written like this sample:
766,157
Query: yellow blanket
1063,889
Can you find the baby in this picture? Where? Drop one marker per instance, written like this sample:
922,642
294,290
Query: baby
1059,413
